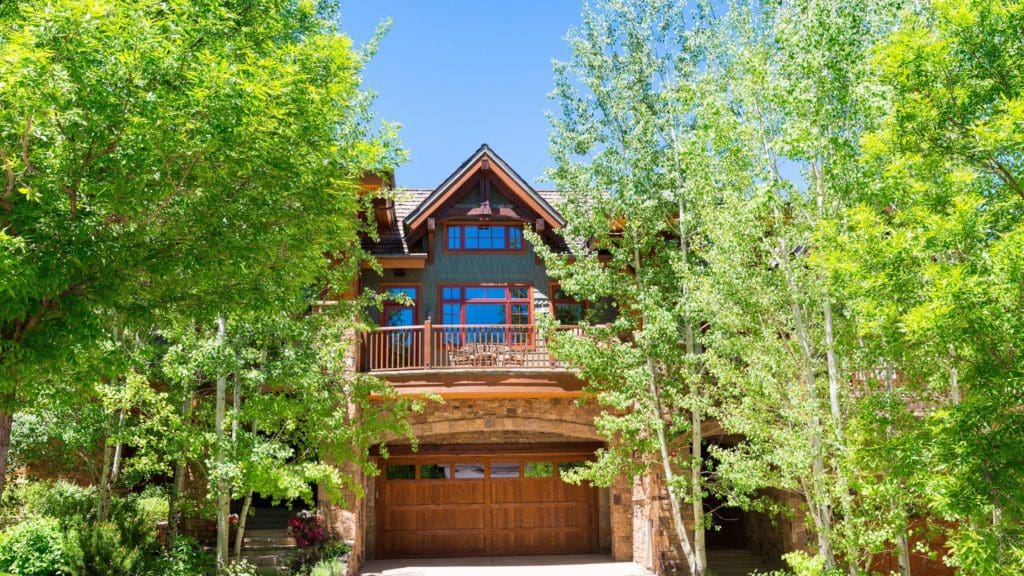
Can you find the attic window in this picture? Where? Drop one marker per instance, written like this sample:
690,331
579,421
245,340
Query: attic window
477,238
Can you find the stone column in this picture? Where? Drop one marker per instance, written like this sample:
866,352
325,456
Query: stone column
620,503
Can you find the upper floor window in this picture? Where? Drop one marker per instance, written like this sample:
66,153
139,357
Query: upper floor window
485,304
484,237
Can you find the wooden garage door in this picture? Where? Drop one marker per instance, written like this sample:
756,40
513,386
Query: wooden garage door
484,505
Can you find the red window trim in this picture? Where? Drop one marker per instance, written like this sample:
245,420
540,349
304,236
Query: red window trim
507,300
567,300
462,238
392,304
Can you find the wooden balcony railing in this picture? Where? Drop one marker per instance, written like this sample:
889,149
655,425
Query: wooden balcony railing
458,346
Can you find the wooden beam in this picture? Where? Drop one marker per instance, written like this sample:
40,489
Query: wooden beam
415,261
532,448
431,226
502,177
481,393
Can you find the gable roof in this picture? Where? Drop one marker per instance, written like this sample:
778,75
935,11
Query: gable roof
479,161
413,206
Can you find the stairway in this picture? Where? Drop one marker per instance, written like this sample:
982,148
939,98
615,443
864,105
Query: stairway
734,563
269,549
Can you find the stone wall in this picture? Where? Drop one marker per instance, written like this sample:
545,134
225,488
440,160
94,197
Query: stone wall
489,420
772,536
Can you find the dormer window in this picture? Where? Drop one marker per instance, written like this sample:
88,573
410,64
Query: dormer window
484,238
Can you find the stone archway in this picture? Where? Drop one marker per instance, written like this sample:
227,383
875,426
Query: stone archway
496,420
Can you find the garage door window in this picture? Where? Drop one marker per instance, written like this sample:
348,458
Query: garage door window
504,470
564,467
469,471
435,472
539,470
401,472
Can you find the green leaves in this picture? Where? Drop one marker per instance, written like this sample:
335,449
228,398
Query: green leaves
846,180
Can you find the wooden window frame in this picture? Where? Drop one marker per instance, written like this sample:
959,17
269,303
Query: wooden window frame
555,301
462,238
393,304
508,300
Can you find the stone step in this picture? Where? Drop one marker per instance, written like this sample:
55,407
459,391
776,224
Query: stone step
734,563
268,561
268,544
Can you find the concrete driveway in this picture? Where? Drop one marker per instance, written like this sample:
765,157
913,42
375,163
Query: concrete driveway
577,565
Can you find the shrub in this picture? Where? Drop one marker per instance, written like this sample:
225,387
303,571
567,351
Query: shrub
150,506
65,501
329,567
336,549
124,545
186,558
803,564
242,568
33,547
62,500
307,529
109,549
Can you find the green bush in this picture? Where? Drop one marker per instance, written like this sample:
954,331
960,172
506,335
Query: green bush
336,549
110,549
242,568
149,508
331,567
33,547
124,545
65,501
803,564
186,558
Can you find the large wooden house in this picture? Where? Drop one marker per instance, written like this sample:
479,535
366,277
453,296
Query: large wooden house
486,477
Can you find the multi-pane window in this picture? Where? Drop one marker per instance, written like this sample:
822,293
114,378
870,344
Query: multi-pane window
484,237
566,309
485,305
492,313
397,310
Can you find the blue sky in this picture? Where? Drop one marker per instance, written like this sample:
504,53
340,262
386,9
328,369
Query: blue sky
458,73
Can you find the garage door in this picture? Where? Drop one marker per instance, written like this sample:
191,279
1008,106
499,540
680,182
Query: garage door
484,505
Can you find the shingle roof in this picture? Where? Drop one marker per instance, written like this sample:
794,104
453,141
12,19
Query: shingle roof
411,201
552,197
415,218
392,239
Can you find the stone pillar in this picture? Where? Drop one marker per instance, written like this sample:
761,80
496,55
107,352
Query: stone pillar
620,504
346,519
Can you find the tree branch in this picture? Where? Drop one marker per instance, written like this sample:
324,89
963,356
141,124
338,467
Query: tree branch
24,147
1004,174
90,157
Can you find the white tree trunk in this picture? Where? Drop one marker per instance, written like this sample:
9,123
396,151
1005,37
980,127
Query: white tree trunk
666,464
173,514
903,549
823,518
666,461
240,532
696,416
101,498
696,468
223,498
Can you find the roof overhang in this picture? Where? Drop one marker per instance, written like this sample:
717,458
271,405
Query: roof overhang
483,160
399,261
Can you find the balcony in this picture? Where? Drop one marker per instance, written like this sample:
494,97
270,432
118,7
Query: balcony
452,347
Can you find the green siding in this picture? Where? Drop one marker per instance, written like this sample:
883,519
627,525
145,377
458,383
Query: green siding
467,269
